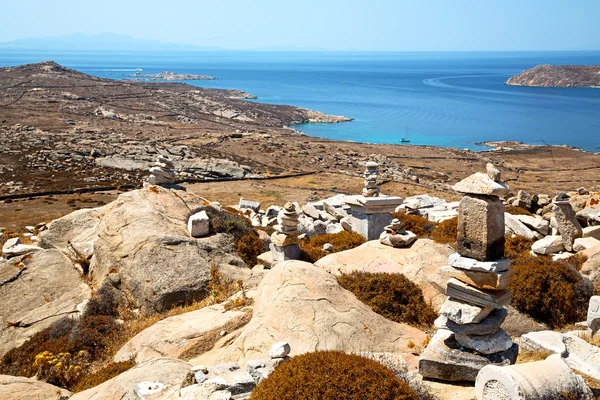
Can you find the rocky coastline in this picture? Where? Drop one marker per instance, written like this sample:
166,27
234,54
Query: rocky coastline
565,76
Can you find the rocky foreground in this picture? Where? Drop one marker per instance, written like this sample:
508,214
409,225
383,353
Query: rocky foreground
566,76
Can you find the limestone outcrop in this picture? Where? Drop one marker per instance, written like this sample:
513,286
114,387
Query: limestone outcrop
36,291
21,388
302,304
155,379
420,263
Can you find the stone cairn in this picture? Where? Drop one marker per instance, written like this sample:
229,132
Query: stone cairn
371,189
284,241
469,336
396,236
163,172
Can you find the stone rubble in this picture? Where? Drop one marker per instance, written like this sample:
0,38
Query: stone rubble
469,335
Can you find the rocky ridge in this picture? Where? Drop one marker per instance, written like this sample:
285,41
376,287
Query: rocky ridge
558,76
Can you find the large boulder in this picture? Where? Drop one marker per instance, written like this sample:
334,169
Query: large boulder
21,388
142,240
181,335
35,291
419,263
155,379
304,305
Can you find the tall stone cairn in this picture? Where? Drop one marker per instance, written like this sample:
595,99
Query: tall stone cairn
469,335
284,241
163,172
371,189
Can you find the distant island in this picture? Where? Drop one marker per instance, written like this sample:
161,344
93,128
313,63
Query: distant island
172,76
558,76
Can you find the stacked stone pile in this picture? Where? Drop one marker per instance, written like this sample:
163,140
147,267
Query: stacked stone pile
371,189
469,335
284,241
396,236
163,172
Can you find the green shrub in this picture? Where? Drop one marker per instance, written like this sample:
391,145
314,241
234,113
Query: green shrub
332,375
446,231
416,224
311,249
390,295
552,292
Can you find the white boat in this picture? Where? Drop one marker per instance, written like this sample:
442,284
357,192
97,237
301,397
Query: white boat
406,138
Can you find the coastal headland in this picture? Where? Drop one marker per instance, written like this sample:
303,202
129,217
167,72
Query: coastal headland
71,137
558,76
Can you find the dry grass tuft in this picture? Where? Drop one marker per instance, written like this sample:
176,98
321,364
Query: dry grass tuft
517,210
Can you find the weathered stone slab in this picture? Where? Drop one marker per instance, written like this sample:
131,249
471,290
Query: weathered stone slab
464,313
446,360
486,344
548,245
582,356
199,224
458,261
543,340
536,223
593,314
515,226
283,253
488,326
399,241
480,297
481,228
568,226
592,231
581,244
548,379
481,184
482,280
249,205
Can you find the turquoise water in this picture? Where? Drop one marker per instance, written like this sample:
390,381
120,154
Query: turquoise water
445,99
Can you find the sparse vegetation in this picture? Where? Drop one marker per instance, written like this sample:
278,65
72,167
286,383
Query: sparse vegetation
446,232
391,295
514,210
76,353
312,248
551,292
329,375
248,247
416,224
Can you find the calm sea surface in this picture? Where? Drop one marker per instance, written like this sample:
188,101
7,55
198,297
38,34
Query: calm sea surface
444,99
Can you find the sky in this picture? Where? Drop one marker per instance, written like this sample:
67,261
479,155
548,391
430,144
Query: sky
354,25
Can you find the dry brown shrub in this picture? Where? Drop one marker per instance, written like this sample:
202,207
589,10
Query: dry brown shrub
416,224
248,247
514,210
551,292
516,247
391,295
312,249
332,375
446,232
105,373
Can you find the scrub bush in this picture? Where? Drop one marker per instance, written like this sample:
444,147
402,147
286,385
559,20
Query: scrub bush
446,231
329,375
311,249
416,224
391,295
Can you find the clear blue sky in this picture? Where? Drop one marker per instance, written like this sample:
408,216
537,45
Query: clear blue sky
329,24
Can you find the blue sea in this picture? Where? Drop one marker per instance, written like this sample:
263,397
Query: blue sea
442,99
